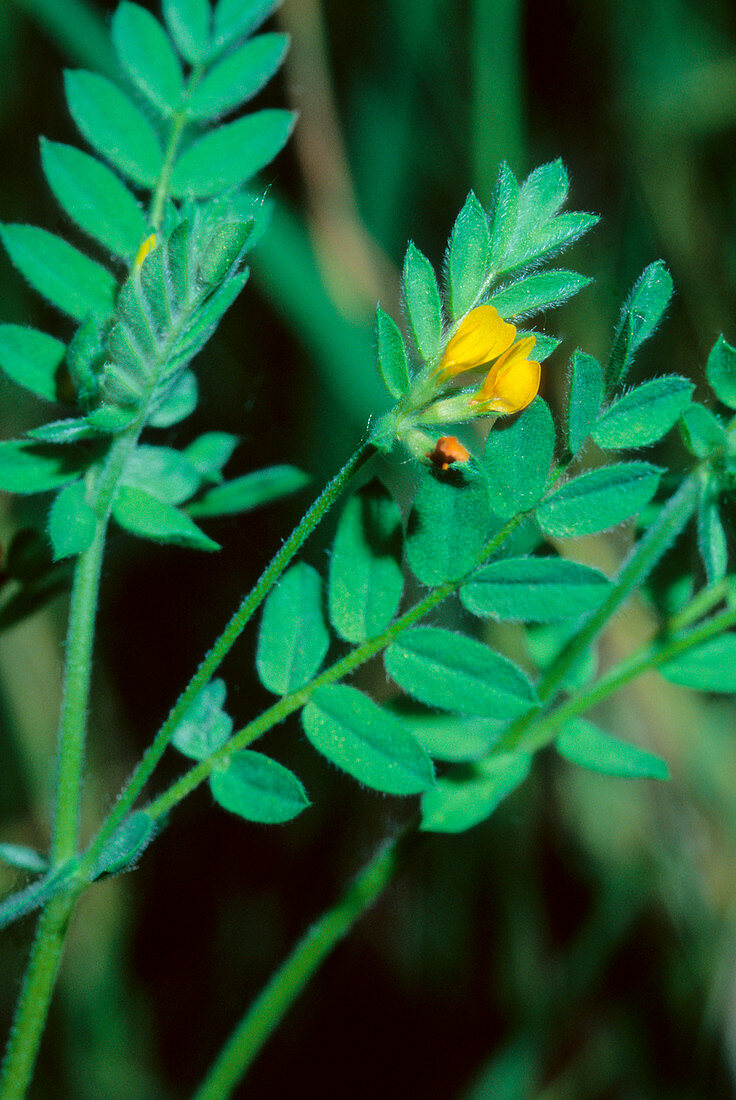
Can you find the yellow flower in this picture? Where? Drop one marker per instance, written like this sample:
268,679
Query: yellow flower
481,337
512,382
147,246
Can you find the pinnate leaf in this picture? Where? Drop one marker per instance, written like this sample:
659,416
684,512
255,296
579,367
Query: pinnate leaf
645,414
146,55
229,156
467,257
708,667
189,23
235,19
422,298
238,77
448,524
455,805
393,365
543,290
599,499
293,638
32,359
250,491
30,467
258,789
721,372
150,518
586,395
539,590
205,726
583,743
517,459
72,523
640,316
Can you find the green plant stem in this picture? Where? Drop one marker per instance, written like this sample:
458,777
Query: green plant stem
160,195
35,997
291,978
223,645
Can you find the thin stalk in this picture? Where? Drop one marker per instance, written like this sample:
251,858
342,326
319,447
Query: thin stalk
223,645
293,975
269,1008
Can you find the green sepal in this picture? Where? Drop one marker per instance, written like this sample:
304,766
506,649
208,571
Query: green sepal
539,590
366,580
231,155
599,499
144,515
443,669
720,371
641,313
586,396
32,359
644,415
293,639
422,301
532,293
354,733
258,789
146,55
457,804
448,524
468,254
250,491
59,272
237,78
707,667
114,126
517,459
393,365
701,430
30,467
72,523
584,744
94,198
205,726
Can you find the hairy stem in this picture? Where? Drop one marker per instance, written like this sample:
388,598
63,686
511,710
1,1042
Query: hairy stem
293,975
224,644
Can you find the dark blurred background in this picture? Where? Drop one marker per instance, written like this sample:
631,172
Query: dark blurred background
581,943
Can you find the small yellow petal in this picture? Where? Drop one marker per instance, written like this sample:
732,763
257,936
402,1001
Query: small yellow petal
147,246
512,382
482,336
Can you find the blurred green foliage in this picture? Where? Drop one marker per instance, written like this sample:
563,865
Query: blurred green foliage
582,943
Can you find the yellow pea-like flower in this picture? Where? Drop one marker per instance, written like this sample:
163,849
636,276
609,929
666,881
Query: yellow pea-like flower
482,336
512,383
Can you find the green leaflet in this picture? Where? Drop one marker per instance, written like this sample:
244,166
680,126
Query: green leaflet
517,459
146,55
114,126
643,415
450,737
503,215
542,194
25,859
258,789
586,395
30,467
539,590
163,472
176,403
367,742
709,667
443,669
72,523
532,293
231,155
144,515
365,568
468,255
422,300
720,371
548,239
126,844
32,359
238,77
189,24
236,18
455,805
640,316
448,524
293,638
701,430
94,198
250,491
210,452
391,359
205,726
599,499
70,280
712,544
583,743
